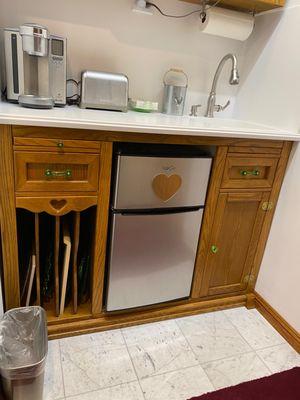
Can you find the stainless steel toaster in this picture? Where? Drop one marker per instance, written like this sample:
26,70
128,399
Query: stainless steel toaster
104,90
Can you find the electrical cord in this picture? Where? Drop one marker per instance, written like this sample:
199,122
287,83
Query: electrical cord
75,98
202,11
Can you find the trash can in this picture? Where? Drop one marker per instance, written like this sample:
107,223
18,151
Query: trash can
23,352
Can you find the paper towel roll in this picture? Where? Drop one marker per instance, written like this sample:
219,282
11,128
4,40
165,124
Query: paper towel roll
227,23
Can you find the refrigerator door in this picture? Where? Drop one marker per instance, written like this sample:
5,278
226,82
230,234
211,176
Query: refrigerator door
156,182
152,258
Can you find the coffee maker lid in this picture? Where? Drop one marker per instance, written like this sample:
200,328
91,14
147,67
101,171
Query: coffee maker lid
34,30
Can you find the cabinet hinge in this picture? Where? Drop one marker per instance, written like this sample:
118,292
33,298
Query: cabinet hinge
249,278
267,205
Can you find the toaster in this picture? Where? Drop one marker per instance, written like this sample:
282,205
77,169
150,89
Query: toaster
104,90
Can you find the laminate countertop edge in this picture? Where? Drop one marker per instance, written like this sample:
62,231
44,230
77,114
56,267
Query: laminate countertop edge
132,122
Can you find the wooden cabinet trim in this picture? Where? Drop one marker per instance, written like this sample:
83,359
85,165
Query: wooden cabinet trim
108,136
211,202
274,195
8,221
99,256
56,205
59,145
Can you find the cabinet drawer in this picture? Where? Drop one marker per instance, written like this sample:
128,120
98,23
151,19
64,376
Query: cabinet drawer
57,145
249,172
56,172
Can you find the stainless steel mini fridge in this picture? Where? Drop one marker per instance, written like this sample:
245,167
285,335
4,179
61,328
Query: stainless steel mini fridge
156,215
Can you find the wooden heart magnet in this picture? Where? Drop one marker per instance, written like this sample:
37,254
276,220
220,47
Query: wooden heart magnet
165,187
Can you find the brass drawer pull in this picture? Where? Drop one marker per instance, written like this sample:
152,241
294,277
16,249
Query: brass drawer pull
60,145
52,174
254,172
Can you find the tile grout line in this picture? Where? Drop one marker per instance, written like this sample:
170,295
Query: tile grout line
97,390
133,366
194,353
61,368
248,343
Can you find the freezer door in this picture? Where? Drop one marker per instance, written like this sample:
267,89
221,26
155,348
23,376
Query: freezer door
152,258
155,182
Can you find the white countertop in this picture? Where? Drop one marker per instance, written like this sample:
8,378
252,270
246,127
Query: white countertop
74,117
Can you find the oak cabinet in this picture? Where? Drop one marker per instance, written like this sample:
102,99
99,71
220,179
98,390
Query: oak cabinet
52,179
234,238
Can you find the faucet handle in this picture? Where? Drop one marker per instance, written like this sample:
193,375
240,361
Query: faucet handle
219,108
194,110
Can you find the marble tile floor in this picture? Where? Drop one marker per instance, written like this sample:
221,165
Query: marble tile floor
169,360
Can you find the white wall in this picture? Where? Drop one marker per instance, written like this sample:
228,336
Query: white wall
270,93
107,35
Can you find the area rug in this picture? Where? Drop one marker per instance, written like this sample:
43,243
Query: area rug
281,386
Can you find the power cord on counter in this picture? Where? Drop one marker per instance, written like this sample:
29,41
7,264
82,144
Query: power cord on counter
75,98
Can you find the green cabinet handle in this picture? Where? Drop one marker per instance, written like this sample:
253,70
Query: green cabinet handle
254,172
52,174
214,249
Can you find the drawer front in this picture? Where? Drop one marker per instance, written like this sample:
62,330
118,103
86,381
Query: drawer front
57,145
249,172
56,172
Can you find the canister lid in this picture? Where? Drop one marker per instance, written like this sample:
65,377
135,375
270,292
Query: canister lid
176,77
34,30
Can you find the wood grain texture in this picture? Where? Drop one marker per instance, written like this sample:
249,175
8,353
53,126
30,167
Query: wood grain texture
235,233
56,145
56,264
31,168
256,6
211,203
99,256
37,257
233,179
120,320
166,186
75,243
281,168
54,205
278,322
254,150
85,134
8,221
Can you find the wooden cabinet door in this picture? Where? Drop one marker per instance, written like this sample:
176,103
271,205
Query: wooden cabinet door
235,234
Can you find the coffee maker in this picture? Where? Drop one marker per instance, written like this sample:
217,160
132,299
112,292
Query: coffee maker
35,67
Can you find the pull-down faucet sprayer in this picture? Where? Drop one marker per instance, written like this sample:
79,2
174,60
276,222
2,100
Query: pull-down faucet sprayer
234,80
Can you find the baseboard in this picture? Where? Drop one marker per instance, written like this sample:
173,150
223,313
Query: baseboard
104,322
279,323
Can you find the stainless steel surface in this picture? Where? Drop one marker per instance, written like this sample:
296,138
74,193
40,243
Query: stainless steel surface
194,110
35,75
135,175
103,90
34,39
234,80
152,258
175,88
31,101
23,352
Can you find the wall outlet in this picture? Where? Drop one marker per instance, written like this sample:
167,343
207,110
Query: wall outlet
140,6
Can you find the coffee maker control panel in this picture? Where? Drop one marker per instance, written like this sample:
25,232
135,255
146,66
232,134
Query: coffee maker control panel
57,64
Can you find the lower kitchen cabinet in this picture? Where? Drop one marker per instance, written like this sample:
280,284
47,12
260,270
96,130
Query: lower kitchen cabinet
234,238
55,188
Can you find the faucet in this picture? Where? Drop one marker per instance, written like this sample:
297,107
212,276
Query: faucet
234,80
